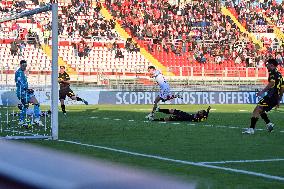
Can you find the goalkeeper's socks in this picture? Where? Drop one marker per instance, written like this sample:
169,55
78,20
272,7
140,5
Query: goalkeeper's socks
63,108
23,113
36,111
253,121
265,118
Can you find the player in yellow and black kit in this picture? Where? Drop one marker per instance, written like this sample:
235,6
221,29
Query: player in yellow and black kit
64,81
178,115
274,90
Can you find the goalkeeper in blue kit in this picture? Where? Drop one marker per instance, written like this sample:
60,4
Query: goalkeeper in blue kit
26,95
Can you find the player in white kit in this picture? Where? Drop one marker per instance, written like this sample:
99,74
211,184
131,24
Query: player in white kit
165,92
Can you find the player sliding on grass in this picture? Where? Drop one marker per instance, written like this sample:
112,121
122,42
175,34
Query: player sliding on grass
165,93
64,81
274,89
178,115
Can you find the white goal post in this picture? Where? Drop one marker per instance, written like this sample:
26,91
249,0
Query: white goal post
54,70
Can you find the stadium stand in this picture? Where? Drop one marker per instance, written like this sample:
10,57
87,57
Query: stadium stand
85,52
183,36
187,39
263,17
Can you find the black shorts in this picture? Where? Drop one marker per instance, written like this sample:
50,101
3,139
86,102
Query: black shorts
268,103
179,115
65,92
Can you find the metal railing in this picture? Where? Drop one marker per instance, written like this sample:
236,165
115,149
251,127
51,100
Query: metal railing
139,80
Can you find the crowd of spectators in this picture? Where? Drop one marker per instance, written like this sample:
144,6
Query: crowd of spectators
95,28
197,30
14,7
180,30
252,14
82,49
74,23
21,36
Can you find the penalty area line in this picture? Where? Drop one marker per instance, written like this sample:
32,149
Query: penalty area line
198,164
243,161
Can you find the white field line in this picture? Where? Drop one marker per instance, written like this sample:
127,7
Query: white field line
242,161
178,123
20,132
221,126
278,178
25,133
175,123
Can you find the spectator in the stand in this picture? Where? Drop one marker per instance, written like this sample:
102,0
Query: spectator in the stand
75,48
279,59
23,34
87,50
150,45
218,59
108,45
127,43
14,48
119,54
22,46
15,29
114,46
46,36
164,45
81,48
259,63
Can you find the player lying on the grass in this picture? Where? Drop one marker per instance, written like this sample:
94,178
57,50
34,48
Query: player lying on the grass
274,90
178,115
26,95
165,92
64,81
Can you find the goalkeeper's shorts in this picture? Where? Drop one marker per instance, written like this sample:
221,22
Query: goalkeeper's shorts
25,97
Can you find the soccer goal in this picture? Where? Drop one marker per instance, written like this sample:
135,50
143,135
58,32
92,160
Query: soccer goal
25,33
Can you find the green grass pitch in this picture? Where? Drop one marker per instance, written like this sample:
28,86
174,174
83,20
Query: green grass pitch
123,127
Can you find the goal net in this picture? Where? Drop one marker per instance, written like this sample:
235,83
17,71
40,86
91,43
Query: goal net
27,33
